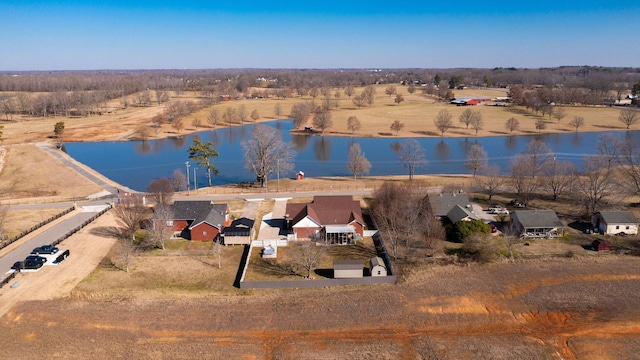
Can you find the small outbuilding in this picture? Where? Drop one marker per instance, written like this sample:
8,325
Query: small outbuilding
347,269
300,175
601,245
377,267
615,222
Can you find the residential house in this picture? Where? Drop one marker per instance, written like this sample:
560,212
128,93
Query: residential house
459,213
199,220
334,219
615,222
537,223
442,204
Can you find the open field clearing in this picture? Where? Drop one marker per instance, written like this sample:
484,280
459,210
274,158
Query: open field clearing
576,308
417,113
28,172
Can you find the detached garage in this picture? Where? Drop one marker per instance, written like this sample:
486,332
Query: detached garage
348,269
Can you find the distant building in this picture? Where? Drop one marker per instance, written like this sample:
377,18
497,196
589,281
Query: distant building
615,222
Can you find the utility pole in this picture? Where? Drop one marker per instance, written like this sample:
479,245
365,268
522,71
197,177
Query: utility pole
278,171
188,183
195,181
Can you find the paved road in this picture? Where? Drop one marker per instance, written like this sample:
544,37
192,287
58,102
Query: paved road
48,236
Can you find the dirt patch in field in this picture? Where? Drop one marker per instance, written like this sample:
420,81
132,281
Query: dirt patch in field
555,309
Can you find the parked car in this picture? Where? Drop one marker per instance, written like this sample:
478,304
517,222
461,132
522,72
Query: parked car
36,258
45,249
496,209
27,264
516,203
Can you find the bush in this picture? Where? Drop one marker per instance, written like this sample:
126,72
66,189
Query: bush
463,229
481,247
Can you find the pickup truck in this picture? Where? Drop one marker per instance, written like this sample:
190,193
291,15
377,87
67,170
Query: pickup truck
499,210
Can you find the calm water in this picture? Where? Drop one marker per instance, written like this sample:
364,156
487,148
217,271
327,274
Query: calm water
135,164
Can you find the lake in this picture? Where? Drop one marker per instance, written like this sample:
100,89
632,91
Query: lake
135,163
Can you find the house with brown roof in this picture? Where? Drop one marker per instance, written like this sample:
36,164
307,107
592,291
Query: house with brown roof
333,219
199,220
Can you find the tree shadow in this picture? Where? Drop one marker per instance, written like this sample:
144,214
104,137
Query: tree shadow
106,231
325,273
271,267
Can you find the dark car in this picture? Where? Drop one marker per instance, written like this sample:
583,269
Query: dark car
27,265
45,249
35,258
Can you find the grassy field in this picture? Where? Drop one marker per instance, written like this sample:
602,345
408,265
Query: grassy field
417,113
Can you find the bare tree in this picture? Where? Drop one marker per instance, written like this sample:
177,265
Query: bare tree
266,153
255,115
443,121
411,88
357,163
465,117
159,231
629,117
526,169
412,156
353,124
399,98
196,122
177,124
242,114
559,113
596,183
476,122
512,124
299,113
322,120
359,100
349,90
390,90
369,94
129,213
577,122
630,169
179,180
230,115
490,180
397,126
558,177
213,117
161,190
541,124
477,159
308,254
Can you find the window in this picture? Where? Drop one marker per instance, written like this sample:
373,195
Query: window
617,227
204,233
627,227
169,222
379,272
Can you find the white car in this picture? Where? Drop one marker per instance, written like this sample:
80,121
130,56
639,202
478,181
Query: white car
499,210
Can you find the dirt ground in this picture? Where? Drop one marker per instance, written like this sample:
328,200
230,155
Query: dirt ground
549,309
87,250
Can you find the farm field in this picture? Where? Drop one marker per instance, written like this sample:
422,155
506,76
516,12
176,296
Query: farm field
417,113
579,308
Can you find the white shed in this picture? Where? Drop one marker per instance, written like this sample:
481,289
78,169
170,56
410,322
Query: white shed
343,269
377,267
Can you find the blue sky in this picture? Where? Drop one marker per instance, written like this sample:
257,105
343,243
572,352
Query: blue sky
167,34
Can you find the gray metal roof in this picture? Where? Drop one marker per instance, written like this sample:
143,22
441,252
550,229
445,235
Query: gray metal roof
459,213
348,264
441,204
618,217
538,218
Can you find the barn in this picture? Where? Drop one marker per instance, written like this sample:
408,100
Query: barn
377,267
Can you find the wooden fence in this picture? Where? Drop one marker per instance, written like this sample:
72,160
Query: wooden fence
10,241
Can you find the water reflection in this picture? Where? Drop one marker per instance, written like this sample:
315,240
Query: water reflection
300,142
322,148
136,163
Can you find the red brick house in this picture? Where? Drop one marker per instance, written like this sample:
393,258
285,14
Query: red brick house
334,219
199,220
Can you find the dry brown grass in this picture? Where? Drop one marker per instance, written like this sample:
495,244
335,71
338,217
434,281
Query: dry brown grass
417,113
29,172
19,220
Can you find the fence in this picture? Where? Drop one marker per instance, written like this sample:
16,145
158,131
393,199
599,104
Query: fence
34,227
6,280
289,284
41,200
77,228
